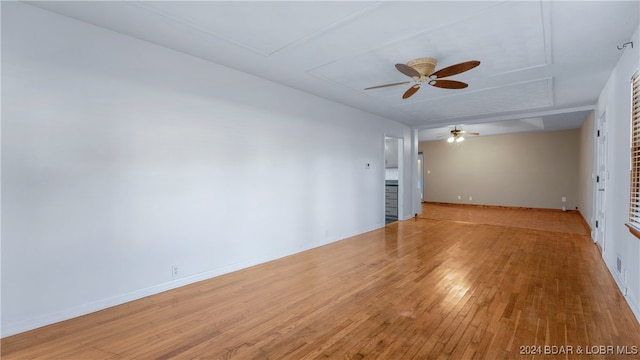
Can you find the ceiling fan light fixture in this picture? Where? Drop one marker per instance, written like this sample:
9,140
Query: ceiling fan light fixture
458,135
425,66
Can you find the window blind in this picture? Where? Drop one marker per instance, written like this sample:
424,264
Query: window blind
634,197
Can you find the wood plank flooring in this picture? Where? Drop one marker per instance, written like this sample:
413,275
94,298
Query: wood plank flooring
538,219
427,288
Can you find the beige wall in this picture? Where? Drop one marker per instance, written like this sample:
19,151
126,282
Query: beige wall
528,170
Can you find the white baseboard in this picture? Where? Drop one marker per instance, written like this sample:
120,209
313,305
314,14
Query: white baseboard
84,309
628,295
633,304
616,276
48,319
341,237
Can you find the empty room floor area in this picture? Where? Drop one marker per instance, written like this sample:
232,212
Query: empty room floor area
527,218
426,288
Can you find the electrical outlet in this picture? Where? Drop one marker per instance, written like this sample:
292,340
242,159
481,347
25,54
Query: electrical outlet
470,198
174,271
459,197
564,199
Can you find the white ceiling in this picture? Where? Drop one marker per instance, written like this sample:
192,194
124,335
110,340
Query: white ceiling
543,63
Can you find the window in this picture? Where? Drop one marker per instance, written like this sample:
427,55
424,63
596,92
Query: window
634,193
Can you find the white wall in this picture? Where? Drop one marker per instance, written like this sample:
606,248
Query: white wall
586,169
615,101
121,159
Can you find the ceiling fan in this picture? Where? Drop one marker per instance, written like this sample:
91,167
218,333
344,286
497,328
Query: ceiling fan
457,135
422,71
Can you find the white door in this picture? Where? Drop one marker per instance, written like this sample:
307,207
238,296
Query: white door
600,180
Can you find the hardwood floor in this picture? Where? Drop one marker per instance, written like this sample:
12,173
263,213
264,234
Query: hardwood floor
538,219
427,288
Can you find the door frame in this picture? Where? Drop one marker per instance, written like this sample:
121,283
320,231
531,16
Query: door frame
600,181
400,175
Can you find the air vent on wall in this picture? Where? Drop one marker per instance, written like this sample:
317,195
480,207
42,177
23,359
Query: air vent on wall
619,264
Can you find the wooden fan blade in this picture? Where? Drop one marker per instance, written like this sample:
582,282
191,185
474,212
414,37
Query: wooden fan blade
472,133
386,85
455,69
412,90
408,70
448,84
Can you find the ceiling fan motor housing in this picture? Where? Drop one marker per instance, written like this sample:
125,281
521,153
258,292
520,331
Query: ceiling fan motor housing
425,66
421,70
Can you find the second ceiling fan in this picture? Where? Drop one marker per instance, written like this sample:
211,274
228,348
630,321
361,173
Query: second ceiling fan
422,71
457,135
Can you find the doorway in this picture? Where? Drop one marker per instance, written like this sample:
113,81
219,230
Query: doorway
600,181
421,177
393,150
